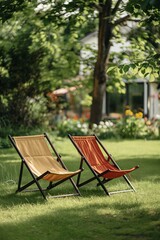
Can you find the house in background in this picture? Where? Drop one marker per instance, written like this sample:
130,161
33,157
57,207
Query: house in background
140,93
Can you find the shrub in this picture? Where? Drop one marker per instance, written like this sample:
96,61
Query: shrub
132,127
6,128
69,126
129,127
103,130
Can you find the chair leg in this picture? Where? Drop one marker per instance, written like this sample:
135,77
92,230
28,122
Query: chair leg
35,180
75,186
129,183
79,175
20,189
20,177
52,185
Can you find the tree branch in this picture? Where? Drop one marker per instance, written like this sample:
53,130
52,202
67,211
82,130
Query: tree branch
98,7
134,20
121,20
116,7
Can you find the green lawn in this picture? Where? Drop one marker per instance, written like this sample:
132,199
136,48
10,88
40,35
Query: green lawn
26,216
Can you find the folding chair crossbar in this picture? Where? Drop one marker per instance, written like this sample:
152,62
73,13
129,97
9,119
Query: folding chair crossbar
97,176
52,185
64,195
121,191
36,179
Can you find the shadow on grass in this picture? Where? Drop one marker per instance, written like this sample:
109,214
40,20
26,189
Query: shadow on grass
87,221
148,171
8,197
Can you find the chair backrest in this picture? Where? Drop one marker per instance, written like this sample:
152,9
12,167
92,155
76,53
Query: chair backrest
93,151
90,149
32,146
36,152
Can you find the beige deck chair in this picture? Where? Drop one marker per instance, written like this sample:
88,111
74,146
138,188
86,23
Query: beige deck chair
35,153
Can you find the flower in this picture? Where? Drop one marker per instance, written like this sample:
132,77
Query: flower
128,112
139,115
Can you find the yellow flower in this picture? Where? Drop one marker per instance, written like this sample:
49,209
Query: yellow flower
139,115
128,112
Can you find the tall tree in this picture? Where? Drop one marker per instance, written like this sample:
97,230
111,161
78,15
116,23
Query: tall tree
111,14
34,59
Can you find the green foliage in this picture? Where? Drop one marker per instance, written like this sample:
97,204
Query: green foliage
141,58
104,130
86,101
39,47
145,5
7,128
73,127
132,127
128,127
115,83
34,58
8,8
21,80
144,39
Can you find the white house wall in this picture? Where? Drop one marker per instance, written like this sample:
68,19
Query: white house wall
154,103
92,41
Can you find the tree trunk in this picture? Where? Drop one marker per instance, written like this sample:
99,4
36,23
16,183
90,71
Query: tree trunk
100,78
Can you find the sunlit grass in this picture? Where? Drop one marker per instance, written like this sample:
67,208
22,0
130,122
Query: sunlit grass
94,215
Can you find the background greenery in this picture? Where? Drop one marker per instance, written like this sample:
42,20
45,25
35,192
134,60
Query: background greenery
40,47
125,128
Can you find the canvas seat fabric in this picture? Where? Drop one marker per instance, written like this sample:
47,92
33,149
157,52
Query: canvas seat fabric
38,156
92,152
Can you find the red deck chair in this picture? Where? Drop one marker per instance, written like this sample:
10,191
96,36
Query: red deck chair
104,169
36,153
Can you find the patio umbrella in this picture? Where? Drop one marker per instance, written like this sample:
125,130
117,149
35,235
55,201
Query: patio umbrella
60,91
